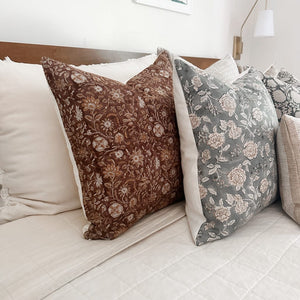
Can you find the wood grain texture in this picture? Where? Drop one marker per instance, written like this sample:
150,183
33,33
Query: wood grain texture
32,53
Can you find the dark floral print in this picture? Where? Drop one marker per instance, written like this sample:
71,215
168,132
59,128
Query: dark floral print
286,97
125,142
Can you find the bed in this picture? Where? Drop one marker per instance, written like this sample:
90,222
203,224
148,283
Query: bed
46,257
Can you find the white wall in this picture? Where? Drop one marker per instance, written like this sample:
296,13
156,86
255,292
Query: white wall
284,48
119,25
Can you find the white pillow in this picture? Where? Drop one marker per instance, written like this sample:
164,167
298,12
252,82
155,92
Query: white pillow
271,71
36,175
224,69
121,71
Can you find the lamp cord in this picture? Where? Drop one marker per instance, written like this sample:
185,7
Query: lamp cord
250,12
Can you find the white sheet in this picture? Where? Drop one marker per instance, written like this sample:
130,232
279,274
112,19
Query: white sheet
259,261
39,254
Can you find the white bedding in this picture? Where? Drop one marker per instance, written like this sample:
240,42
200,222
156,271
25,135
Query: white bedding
260,261
39,254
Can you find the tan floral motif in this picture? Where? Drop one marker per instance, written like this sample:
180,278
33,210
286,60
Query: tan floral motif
165,155
250,150
216,140
100,144
240,205
99,180
90,103
228,104
234,131
196,82
264,185
125,142
119,154
161,91
237,177
164,73
144,138
209,225
119,138
115,210
195,120
205,155
137,158
111,171
166,188
106,124
78,77
124,191
203,191
98,88
117,95
222,214
257,114
158,130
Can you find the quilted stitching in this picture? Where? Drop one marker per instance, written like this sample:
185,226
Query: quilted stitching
260,261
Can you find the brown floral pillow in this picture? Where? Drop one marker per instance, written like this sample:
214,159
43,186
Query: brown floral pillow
124,140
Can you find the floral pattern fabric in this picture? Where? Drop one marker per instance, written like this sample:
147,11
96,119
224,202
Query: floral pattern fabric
124,140
234,128
286,97
289,78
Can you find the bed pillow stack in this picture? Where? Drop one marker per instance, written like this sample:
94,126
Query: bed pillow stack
124,140
227,136
36,174
284,88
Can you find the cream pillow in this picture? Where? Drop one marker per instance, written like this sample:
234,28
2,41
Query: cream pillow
121,71
288,152
224,69
271,71
36,175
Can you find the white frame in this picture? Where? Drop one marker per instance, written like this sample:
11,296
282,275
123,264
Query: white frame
169,5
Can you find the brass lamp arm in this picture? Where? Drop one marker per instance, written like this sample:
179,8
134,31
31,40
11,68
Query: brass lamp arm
250,12
237,40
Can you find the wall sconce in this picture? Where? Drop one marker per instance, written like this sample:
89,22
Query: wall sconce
264,28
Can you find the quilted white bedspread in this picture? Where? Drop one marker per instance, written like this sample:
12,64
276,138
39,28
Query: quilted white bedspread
260,261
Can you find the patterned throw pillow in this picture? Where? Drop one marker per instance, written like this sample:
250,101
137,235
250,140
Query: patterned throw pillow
233,128
286,97
289,78
124,140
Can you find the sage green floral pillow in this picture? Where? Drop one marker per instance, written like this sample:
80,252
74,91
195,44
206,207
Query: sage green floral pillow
234,128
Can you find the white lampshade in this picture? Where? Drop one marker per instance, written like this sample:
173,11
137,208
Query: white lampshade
264,25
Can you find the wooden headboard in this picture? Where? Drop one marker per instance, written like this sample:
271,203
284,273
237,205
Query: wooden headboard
32,53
